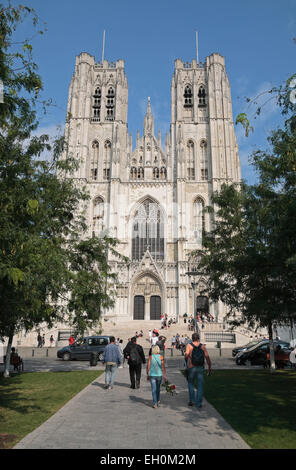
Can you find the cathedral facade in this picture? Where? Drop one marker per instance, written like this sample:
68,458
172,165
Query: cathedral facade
148,195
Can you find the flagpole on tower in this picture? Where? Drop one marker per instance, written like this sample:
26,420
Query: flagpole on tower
103,52
196,43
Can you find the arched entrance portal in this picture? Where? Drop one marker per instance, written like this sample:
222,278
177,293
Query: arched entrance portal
139,307
147,298
155,307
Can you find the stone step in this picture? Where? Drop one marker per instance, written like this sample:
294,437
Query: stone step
127,329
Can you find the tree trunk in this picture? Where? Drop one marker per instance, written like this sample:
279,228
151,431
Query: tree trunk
271,349
8,352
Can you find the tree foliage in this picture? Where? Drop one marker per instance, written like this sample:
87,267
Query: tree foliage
49,266
249,256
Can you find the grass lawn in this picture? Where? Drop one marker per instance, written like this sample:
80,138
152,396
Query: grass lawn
29,399
259,405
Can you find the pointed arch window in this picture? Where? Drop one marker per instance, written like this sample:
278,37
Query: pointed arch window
97,96
107,160
198,220
163,173
110,104
156,173
204,174
133,173
204,160
94,163
98,216
201,97
140,173
188,97
190,160
148,231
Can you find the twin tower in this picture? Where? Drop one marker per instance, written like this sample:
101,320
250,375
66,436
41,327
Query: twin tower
149,196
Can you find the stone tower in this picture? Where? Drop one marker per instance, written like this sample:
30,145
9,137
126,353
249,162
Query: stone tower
149,197
204,151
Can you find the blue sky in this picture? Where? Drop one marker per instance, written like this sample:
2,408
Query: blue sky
255,37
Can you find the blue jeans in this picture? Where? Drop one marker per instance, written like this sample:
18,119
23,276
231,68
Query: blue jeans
193,374
110,375
155,385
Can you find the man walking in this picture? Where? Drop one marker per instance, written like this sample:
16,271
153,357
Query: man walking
112,359
195,356
161,344
154,337
136,357
39,340
173,341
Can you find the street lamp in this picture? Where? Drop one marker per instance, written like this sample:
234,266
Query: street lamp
194,283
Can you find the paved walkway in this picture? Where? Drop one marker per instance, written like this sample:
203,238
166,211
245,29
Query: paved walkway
123,418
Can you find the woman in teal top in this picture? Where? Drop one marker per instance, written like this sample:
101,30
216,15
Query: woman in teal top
155,372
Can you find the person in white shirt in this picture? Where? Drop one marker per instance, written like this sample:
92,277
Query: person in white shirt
150,336
154,338
173,341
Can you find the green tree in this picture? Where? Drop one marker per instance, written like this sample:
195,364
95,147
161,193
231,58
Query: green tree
249,257
49,267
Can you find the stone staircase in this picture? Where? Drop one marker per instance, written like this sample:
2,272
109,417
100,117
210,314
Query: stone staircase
125,330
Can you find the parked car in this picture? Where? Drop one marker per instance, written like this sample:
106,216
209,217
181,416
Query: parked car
257,354
82,349
281,358
238,349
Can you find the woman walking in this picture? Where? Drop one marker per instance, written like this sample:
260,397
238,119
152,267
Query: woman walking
155,372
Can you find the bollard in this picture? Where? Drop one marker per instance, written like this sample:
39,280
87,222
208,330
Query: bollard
172,352
219,346
47,352
93,359
33,352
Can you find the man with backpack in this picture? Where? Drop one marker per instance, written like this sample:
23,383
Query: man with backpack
136,357
195,356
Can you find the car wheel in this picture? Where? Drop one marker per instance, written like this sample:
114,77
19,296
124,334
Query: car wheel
66,356
238,362
100,356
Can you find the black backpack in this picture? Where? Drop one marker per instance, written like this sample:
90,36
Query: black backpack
198,356
134,356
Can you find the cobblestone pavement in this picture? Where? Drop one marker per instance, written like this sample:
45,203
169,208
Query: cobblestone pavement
123,418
